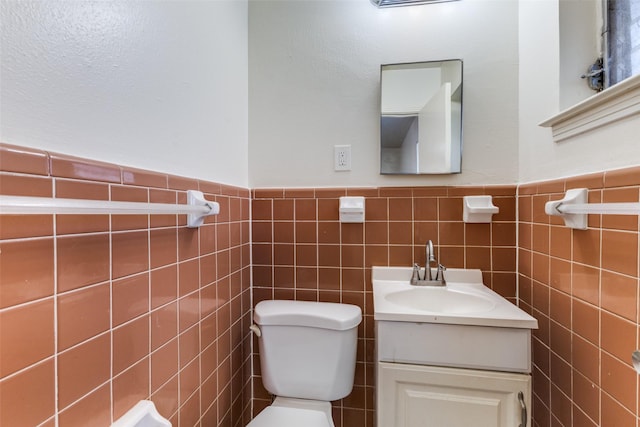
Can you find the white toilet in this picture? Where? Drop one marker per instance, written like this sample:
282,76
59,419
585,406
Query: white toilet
308,359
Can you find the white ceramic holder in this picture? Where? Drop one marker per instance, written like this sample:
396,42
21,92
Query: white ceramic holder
478,209
196,198
351,209
576,196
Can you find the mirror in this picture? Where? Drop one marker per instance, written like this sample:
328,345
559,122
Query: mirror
421,118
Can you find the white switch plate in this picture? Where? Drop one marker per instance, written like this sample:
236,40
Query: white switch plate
342,157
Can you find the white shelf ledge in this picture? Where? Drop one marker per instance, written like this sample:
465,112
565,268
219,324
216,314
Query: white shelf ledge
615,103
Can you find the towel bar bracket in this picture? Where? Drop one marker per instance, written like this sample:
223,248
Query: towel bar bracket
572,197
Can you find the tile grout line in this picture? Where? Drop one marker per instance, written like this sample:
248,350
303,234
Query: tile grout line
148,272
111,358
55,310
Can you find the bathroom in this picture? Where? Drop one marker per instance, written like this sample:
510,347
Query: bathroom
245,101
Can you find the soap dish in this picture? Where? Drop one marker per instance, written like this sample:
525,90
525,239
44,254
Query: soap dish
478,209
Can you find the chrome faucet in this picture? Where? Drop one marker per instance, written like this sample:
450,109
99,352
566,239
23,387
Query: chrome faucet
429,258
428,279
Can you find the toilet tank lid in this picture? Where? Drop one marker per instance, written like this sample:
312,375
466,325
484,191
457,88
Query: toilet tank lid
326,315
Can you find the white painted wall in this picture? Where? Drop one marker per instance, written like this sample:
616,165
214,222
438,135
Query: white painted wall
580,46
139,83
160,85
541,90
314,82
539,82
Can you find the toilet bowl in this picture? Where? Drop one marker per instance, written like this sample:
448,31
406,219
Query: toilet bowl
284,412
307,359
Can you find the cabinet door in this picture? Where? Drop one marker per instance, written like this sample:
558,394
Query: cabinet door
427,396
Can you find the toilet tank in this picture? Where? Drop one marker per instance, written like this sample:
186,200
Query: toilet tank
308,349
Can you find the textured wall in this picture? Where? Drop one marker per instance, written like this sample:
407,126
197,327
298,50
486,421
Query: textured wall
314,82
134,83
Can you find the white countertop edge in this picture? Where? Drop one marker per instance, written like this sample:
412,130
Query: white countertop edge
467,320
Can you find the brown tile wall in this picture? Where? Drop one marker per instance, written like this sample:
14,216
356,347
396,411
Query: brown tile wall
582,286
301,251
97,313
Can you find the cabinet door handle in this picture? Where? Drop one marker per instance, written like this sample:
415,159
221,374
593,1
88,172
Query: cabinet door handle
523,410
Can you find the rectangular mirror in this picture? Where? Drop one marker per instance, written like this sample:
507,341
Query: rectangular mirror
421,118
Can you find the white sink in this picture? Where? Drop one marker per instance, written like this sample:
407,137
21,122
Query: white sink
465,300
440,299
463,324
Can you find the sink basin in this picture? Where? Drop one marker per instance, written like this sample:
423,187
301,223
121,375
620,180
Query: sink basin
443,300
465,300
464,324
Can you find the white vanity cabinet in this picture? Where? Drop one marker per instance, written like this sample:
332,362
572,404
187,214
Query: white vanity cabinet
430,396
454,356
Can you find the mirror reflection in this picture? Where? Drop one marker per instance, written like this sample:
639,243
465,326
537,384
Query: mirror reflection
421,118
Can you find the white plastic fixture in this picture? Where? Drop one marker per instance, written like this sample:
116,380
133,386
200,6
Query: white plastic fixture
144,414
478,209
559,208
352,209
394,3
196,198
196,210
573,208
342,157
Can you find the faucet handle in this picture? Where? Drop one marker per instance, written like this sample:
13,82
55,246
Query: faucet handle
415,275
440,273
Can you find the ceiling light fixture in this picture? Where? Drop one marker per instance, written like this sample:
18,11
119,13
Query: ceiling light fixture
394,3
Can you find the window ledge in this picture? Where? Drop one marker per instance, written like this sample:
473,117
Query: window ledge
615,103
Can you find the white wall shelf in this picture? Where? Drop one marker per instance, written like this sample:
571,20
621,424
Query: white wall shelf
615,103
